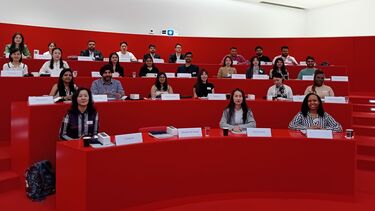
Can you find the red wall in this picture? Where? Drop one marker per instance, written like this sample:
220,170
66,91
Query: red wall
355,52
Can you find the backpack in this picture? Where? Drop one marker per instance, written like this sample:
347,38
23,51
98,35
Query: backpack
40,180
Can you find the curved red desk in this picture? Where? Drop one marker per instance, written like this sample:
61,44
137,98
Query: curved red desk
156,170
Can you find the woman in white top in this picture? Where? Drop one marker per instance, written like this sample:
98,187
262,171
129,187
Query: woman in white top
51,46
15,62
161,86
55,64
279,90
124,53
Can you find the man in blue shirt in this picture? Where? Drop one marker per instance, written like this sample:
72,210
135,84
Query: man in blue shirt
106,85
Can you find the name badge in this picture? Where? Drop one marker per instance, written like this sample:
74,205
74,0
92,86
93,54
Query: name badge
216,97
331,99
11,73
126,139
85,58
100,98
124,59
340,78
170,96
189,132
303,63
258,132
158,60
151,75
238,76
308,77
40,100
325,134
260,77
90,122
209,88
180,61
42,57
95,74
298,98
235,62
183,75
170,75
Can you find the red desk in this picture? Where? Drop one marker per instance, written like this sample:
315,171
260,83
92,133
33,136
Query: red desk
35,128
124,176
85,68
42,85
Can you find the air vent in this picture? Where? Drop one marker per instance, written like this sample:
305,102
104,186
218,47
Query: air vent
282,5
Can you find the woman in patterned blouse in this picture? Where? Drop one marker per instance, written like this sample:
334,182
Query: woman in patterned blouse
312,116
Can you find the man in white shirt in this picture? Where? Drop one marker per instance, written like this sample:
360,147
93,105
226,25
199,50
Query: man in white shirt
288,60
279,90
124,53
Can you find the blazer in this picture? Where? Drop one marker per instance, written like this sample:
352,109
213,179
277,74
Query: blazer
250,121
97,54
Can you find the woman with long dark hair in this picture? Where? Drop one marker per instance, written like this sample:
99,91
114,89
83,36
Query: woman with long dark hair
318,86
202,88
82,118
115,62
18,42
237,116
55,64
255,68
313,116
148,66
65,86
161,86
279,67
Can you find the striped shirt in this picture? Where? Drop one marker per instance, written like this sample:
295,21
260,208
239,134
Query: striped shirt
327,122
75,125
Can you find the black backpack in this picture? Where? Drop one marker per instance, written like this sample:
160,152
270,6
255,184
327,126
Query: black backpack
40,180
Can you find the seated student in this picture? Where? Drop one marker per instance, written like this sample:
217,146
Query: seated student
227,68
178,55
237,116
235,56
309,70
124,53
51,46
55,64
161,86
15,62
188,67
106,85
259,54
289,60
255,68
152,53
81,119
114,61
18,42
279,90
279,67
65,86
312,116
148,67
318,87
91,51
202,88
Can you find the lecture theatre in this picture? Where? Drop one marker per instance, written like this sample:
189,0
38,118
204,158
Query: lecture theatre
191,105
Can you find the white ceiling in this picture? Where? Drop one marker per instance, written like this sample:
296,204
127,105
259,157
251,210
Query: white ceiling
306,4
